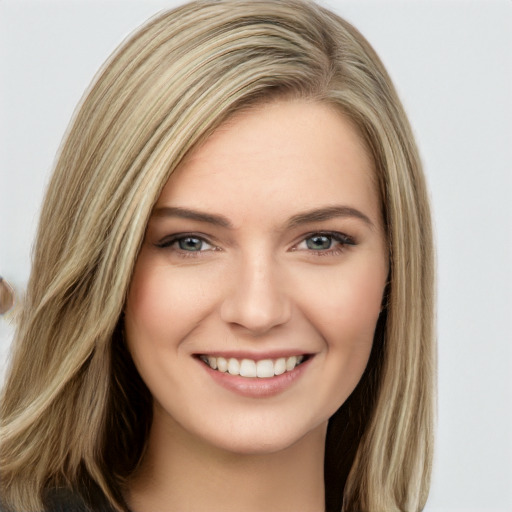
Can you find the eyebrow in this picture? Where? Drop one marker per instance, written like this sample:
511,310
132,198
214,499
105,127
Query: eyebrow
308,217
185,213
330,212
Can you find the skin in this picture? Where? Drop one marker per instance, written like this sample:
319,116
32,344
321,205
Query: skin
261,285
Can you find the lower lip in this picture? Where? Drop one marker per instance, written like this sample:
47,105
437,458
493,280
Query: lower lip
255,387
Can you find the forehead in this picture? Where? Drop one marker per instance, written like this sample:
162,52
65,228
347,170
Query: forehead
293,153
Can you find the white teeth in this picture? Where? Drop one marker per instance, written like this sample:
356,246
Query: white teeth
248,368
233,367
264,369
280,366
291,363
222,364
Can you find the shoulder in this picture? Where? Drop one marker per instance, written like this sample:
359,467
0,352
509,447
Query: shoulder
60,500
65,500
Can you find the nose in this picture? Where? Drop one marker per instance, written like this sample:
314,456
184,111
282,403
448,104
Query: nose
257,300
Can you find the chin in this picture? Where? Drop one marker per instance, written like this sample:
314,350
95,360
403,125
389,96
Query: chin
265,440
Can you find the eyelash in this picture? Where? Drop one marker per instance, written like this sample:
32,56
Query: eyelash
167,243
341,240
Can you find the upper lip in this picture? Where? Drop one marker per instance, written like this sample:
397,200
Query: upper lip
255,356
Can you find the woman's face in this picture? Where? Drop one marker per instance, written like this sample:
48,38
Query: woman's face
265,255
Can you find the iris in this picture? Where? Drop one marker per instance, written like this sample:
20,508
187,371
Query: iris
190,244
319,242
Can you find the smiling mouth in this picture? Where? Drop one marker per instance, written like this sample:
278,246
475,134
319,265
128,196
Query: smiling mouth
263,369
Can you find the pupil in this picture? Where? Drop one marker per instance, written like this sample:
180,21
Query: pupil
320,242
190,244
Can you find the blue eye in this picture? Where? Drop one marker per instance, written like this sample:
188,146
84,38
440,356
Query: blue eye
185,244
190,244
325,243
319,242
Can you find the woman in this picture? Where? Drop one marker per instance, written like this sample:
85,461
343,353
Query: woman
231,301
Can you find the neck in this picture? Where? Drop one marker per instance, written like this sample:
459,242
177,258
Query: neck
181,473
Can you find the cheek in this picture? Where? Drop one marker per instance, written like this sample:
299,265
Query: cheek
345,307
164,304
345,311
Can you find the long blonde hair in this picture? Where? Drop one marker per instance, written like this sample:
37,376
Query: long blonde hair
74,410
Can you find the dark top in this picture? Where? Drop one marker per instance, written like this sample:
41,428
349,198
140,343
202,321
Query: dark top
64,500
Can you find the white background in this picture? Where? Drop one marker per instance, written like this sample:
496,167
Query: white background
452,64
